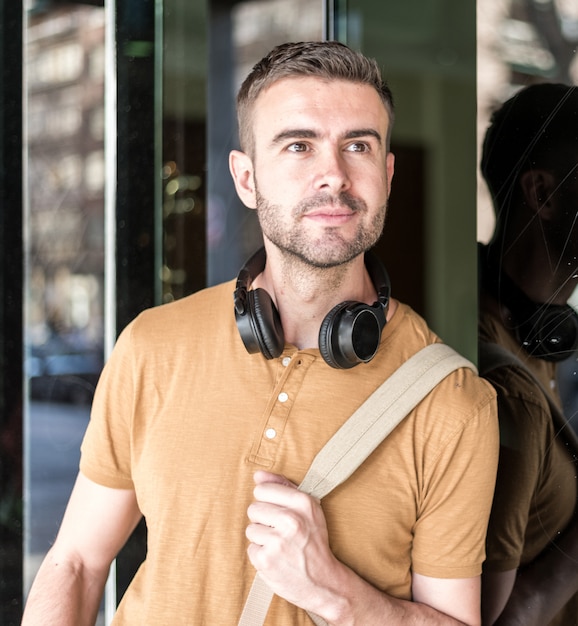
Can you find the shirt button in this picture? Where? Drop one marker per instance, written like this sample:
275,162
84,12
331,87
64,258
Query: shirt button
282,397
286,360
270,433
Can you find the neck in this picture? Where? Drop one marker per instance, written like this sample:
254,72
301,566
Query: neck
305,294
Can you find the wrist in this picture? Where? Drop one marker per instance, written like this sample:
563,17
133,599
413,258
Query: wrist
337,601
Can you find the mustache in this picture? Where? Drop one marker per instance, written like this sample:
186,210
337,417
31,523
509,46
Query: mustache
344,199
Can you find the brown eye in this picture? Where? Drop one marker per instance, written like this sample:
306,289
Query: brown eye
358,147
297,147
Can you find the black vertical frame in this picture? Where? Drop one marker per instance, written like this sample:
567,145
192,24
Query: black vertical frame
136,205
11,313
136,184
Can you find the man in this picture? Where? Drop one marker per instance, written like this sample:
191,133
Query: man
529,270
195,433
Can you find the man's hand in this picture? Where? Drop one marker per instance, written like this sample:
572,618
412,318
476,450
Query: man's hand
290,550
289,542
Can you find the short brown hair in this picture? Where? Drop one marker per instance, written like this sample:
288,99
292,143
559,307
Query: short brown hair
329,60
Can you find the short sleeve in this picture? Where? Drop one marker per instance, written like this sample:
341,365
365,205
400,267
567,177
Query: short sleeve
105,451
459,480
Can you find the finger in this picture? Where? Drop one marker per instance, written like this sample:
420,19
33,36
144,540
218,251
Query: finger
257,555
273,516
261,476
279,494
264,513
259,534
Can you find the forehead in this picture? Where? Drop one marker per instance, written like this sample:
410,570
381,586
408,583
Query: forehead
314,101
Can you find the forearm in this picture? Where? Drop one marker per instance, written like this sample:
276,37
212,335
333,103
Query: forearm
352,601
289,547
63,594
546,585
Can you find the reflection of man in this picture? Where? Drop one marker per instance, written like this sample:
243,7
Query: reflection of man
529,270
186,421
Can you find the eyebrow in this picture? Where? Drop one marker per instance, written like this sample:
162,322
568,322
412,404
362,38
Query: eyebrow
307,133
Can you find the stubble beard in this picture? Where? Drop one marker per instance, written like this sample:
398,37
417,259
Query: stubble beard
329,250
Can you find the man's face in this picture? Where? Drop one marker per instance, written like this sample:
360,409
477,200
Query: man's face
321,171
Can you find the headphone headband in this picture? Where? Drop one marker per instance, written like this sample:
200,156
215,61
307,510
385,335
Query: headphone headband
349,334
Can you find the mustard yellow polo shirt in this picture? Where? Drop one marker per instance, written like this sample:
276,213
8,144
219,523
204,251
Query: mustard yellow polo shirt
184,415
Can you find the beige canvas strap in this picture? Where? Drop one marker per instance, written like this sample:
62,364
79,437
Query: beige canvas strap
358,438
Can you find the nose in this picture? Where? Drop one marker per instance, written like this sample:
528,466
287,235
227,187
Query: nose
332,173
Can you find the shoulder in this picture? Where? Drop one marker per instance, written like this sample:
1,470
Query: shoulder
207,307
407,333
408,325
461,396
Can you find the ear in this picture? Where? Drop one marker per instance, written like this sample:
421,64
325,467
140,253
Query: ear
538,188
241,168
389,167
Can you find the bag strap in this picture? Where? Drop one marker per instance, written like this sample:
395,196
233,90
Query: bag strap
369,425
493,356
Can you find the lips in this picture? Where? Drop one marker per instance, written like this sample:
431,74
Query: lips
329,217
329,212
324,205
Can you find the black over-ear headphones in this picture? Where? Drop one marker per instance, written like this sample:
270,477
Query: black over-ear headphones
349,334
545,331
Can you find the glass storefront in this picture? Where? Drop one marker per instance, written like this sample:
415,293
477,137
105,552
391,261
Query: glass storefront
122,198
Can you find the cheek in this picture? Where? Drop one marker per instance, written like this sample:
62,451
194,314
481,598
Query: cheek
378,189
374,178
280,186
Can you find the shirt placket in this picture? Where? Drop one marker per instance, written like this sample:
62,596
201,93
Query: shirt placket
294,368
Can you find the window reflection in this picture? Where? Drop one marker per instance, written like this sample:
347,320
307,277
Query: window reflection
523,42
527,67
520,42
207,232
64,227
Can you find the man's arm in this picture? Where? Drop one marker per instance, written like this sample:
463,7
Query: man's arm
543,587
71,579
290,549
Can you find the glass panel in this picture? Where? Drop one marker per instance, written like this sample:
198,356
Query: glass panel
241,33
64,224
527,210
522,43
207,232
428,54
184,113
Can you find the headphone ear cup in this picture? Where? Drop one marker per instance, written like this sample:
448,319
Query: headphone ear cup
350,334
328,339
265,323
